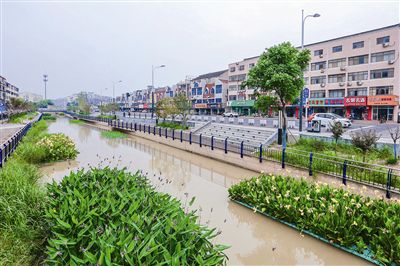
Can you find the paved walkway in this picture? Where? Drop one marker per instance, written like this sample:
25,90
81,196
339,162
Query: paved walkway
7,130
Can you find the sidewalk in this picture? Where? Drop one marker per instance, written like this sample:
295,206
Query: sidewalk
7,130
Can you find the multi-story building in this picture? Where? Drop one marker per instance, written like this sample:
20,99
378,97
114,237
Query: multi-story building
240,99
7,90
30,97
356,75
209,92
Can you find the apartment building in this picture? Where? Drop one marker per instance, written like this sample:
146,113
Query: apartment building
356,75
30,97
240,99
7,90
209,92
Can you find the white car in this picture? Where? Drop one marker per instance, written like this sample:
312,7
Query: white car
328,119
230,114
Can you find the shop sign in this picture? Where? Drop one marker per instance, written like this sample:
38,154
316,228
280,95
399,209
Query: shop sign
326,102
145,106
355,101
383,100
200,105
242,103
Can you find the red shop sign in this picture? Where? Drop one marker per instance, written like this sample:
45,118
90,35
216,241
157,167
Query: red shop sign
355,101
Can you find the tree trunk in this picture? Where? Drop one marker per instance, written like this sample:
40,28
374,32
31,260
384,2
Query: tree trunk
395,149
284,126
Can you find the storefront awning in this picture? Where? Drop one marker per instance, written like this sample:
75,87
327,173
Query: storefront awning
241,103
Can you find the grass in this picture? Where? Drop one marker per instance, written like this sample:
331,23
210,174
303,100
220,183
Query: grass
49,117
22,117
353,221
76,121
112,217
113,134
106,116
172,125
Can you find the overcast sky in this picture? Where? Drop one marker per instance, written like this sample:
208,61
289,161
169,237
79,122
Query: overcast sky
87,45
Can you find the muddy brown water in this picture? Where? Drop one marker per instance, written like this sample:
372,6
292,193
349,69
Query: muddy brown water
254,239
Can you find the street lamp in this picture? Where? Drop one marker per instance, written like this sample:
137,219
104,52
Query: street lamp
45,79
115,82
303,20
152,88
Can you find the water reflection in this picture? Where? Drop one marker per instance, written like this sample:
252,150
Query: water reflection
254,239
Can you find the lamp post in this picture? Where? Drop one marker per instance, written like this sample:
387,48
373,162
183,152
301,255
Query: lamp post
45,79
115,82
303,20
152,88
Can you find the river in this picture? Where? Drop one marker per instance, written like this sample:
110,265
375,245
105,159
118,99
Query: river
254,239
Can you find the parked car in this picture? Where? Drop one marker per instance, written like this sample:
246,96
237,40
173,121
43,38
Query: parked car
230,114
328,119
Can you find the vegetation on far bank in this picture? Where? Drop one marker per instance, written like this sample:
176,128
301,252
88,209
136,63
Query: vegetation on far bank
76,121
113,134
22,201
21,118
173,125
49,117
352,221
119,219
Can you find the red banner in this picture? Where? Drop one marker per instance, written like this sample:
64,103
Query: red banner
355,101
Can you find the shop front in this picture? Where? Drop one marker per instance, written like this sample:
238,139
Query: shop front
356,107
242,107
326,105
382,107
208,108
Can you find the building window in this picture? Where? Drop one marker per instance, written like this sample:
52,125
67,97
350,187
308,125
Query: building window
317,94
251,65
211,101
381,90
383,40
336,78
218,89
336,49
232,97
240,77
336,93
318,65
357,92
357,45
218,100
318,80
383,56
193,91
232,87
358,60
199,91
305,80
232,69
241,67
382,73
337,63
198,101
318,52
355,76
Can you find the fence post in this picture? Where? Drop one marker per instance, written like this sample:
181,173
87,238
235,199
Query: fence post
131,126
200,140
345,172
173,134
118,123
166,132
310,165
212,142
261,153
283,157
154,130
226,145
181,135
190,138
159,131
1,157
149,129
241,149
389,183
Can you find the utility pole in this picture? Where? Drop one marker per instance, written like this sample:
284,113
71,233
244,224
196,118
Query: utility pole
45,79
152,88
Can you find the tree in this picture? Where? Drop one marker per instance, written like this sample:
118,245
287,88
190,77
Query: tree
395,135
83,105
107,108
265,102
364,140
280,70
183,106
162,108
17,104
337,131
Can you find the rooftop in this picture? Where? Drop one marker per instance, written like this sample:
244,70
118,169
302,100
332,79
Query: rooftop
211,75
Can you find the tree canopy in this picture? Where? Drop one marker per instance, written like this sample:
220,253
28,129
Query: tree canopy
264,102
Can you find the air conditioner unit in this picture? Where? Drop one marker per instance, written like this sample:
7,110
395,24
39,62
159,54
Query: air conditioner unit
359,82
342,68
322,84
349,83
322,70
321,55
391,62
341,84
385,44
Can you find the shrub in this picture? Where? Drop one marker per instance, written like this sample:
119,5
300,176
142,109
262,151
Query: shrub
335,214
391,161
32,153
76,121
108,216
337,131
364,140
58,147
47,116
172,125
113,134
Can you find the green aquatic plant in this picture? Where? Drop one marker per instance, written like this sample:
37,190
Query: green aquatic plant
58,147
352,221
76,121
113,134
112,217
